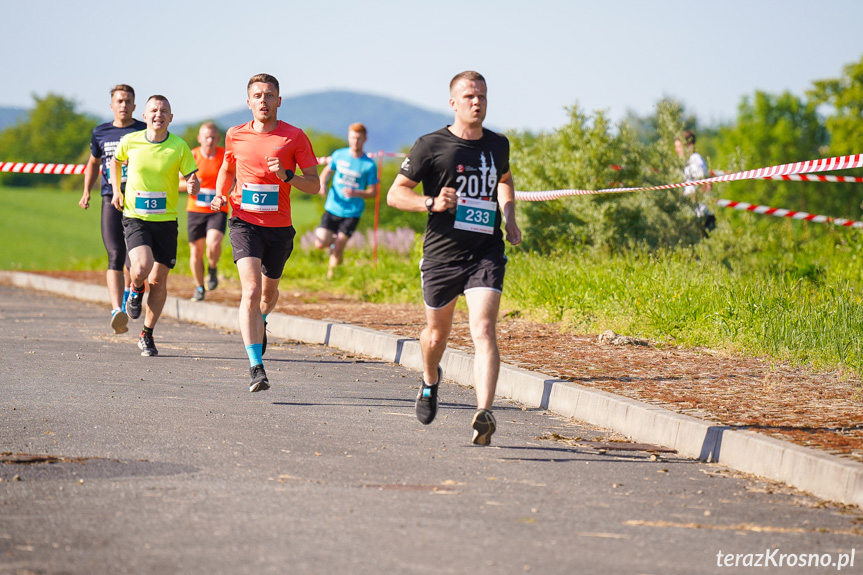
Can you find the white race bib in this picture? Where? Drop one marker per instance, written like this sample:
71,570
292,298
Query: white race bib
475,215
151,203
205,197
260,197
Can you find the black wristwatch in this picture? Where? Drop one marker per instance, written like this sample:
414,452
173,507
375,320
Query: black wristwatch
429,204
289,175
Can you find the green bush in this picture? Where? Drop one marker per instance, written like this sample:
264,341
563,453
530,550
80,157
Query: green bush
583,154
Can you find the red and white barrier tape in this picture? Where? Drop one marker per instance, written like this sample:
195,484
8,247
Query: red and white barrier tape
783,213
323,160
31,168
817,178
802,178
773,172
75,169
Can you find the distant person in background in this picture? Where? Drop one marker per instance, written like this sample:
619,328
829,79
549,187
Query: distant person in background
260,159
102,144
355,178
467,187
206,227
149,204
695,169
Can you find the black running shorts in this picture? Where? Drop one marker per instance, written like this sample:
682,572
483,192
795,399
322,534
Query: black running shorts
338,224
273,246
113,236
200,223
443,282
161,237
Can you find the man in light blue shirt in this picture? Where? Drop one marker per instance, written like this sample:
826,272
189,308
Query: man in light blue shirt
355,178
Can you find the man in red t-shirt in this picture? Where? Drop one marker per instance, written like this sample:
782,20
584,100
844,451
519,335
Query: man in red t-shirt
261,157
206,227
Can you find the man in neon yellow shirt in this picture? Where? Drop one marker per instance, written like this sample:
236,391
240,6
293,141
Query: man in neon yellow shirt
149,207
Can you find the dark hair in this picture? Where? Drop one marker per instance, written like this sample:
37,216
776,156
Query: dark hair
123,88
469,75
264,78
688,137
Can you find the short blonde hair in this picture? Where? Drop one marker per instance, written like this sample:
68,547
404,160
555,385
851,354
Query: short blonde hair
468,75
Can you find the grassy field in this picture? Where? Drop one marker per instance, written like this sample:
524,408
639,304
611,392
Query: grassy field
45,229
787,290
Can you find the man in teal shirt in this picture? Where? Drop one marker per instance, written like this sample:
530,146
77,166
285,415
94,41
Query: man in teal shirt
355,178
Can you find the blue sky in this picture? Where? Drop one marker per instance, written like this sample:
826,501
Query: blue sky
538,56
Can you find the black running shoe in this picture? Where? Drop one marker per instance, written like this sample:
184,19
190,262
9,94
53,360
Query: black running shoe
212,280
147,345
199,294
133,304
483,427
426,406
259,379
264,341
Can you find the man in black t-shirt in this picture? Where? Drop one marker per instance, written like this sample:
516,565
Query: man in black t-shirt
467,187
105,138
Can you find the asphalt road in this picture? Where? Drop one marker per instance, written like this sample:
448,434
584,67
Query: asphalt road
169,465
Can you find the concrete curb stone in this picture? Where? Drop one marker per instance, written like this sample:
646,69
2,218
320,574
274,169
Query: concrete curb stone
824,475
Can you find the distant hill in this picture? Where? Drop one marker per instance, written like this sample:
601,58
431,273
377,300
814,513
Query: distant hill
392,124
9,116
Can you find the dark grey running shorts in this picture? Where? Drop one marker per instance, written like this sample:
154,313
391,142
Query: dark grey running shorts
161,237
338,224
199,224
273,246
443,282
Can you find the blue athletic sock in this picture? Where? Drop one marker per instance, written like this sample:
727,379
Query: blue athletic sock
254,353
125,297
265,317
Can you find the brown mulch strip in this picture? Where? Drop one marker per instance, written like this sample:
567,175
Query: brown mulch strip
820,409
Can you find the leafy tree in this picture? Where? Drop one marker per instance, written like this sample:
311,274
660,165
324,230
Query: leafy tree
845,96
324,143
584,154
773,130
53,132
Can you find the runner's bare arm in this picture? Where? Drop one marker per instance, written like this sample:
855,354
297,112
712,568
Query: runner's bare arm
506,197
402,196
91,174
192,183
309,182
224,184
368,193
325,175
116,169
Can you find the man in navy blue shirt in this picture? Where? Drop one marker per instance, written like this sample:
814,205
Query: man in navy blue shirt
105,139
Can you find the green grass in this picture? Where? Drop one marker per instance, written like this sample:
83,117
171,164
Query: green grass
787,290
798,302
45,229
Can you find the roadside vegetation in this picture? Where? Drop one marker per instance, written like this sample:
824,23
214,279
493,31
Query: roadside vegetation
635,263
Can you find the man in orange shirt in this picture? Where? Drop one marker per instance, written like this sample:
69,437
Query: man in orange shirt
260,159
203,223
